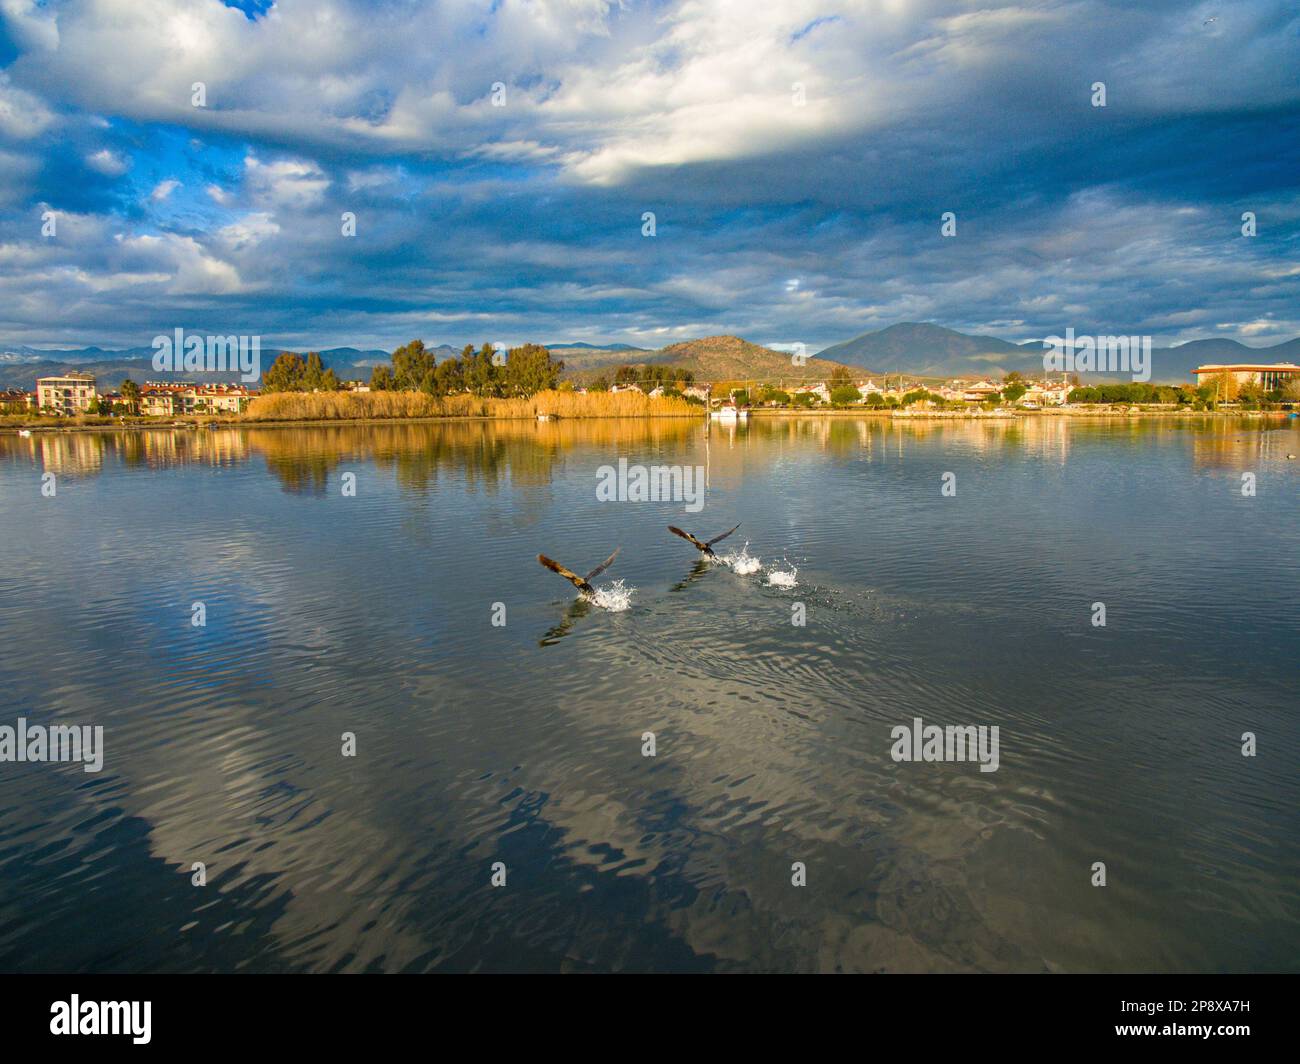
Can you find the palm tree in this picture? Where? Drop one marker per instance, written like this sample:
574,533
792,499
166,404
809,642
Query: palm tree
131,393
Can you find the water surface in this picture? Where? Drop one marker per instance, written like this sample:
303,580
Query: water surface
522,743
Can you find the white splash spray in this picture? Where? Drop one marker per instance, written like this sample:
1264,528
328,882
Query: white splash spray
782,578
742,564
614,596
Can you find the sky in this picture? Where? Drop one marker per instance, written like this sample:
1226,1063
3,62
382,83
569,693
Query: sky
500,158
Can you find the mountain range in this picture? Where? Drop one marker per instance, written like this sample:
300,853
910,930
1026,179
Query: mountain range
927,350
910,348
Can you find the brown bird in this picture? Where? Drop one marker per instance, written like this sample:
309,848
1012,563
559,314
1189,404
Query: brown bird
582,583
707,546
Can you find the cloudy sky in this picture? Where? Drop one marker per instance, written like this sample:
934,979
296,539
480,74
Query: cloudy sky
499,158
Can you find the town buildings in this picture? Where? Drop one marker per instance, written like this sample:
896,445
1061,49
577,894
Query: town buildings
75,393
165,399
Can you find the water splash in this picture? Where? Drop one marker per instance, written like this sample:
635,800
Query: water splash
782,578
614,596
742,563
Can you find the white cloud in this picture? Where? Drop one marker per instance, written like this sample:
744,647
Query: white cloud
108,163
164,189
290,183
248,231
191,269
32,26
22,115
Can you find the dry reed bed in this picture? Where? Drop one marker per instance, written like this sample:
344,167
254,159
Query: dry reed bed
338,406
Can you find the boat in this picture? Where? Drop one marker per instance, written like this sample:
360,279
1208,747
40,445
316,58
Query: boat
730,412
25,433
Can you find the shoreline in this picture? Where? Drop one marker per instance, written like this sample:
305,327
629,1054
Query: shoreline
888,415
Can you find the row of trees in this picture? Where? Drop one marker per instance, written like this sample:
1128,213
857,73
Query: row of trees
517,373
293,373
648,377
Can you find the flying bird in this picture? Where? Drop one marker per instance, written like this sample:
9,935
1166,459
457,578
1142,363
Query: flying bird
707,546
582,583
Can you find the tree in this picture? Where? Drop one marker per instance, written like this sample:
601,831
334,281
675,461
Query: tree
530,369
313,376
410,363
844,394
448,378
286,374
381,379
131,395
479,372
840,376
1013,391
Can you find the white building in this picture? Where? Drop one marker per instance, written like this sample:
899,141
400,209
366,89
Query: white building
70,394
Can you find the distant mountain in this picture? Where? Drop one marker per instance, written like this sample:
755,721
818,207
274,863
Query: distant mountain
580,345
20,353
112,367
729,358
1177,363
927,350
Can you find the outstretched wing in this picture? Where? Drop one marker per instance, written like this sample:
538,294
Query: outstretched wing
568,574
688,537
719,539
603,565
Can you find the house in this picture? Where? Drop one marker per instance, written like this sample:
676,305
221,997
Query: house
657,391
1044,394
819,391
981,392
17,401
697,391
68,395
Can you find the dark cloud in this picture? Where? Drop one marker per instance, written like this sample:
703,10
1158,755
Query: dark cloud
783,215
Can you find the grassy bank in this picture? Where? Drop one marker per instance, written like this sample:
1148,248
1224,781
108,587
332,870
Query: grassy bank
369,406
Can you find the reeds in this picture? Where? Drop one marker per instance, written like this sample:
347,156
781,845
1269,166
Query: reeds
338,406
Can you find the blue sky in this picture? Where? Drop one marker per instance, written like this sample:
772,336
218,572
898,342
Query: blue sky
797,156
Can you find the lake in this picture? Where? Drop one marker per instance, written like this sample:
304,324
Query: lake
499,724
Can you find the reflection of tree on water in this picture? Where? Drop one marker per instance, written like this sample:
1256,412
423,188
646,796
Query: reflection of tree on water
483,455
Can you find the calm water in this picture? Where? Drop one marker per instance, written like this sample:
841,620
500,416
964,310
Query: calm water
522,744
